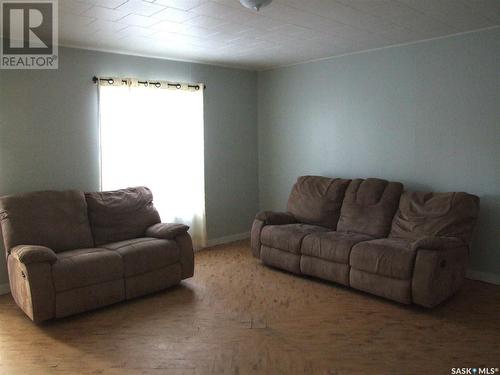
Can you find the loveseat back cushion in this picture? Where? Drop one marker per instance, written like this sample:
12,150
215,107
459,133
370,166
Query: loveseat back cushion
121,214
317,200
54,219
422,214
369,206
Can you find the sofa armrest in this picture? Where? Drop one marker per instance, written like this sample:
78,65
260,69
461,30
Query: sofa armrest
437,275
439,269
29,254
166,231
267,218
438,243
275,218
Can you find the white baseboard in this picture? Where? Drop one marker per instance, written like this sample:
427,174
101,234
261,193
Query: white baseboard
486,277
228,239
4,289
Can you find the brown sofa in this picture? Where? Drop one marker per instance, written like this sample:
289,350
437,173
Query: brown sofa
69,252
370,235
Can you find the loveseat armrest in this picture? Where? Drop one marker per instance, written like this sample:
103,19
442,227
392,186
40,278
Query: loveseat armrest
166,231
29,254
30,279
438,243
275,218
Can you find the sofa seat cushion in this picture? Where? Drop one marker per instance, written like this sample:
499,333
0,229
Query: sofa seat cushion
284,260
142,255
392,257
288,237
387,287
83,267
332,246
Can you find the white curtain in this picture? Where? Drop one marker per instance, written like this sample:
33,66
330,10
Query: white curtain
153,137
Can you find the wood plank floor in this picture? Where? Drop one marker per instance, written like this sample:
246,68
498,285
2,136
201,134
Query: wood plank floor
237,316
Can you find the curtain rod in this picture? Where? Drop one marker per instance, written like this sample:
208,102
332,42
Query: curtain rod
147,83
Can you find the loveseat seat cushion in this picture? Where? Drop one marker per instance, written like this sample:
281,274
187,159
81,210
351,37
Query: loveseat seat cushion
436,214
369,207
317,200
84,267
55,219
391,257
142,255
332,246
287,237
121,214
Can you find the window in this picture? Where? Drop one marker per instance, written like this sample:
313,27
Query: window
153,136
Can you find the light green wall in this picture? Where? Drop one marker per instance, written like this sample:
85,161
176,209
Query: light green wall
49,130
426,114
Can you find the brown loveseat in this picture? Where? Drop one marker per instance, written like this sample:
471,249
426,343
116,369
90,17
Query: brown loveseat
367,234
69,252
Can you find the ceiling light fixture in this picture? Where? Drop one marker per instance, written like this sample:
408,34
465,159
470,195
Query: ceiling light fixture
255,4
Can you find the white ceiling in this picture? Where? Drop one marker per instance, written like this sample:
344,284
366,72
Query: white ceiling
286,32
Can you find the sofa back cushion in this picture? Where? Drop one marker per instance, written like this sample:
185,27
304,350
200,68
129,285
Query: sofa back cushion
423,214
317,200
55,219
121,214
369,207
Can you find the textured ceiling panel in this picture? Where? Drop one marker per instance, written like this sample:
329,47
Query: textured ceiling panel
284,33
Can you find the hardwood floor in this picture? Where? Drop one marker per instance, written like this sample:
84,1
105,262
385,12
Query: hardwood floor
237,316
